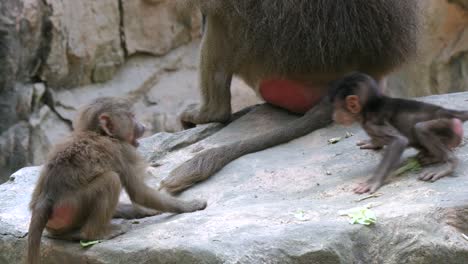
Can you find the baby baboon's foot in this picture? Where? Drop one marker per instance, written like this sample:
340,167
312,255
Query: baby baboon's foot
368,144
425,159
370,186
433,175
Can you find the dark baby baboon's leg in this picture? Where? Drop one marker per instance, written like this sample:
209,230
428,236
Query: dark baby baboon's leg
436,147
389,161
208,162
369,144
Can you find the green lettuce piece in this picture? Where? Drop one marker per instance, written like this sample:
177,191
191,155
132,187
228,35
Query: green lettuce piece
360,215
411,165
301,215
86,244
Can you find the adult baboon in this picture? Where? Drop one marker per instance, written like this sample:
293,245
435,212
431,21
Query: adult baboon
288,52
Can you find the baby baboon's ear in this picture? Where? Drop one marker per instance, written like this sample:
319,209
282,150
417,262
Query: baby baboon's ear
105,123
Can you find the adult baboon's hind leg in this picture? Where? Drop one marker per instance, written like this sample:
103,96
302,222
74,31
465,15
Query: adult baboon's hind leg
208,162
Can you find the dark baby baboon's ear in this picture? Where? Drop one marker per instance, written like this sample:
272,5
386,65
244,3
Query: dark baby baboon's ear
352,104
105,123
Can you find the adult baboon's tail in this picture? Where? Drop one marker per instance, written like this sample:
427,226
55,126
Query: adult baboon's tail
210,161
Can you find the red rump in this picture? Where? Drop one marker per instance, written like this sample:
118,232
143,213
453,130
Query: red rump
61,217
458,130
290,95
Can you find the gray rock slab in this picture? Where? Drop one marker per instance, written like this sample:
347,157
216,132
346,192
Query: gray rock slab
254,202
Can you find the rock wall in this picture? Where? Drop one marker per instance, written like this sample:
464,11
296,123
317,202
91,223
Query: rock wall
56,55
50,49
442,63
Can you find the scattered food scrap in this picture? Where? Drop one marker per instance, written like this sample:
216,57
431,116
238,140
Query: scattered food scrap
301,215
334,140
411,165
374,195
360,215
337,139
86,244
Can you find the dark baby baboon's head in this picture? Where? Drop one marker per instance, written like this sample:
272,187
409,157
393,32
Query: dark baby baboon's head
350,94
355,83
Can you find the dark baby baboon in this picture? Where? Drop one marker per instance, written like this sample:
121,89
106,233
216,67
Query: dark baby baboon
288,52
397,124
79,186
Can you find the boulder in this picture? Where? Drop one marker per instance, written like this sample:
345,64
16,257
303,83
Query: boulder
85,42
14,145
280,205
22,49
89,40
154,27
47,129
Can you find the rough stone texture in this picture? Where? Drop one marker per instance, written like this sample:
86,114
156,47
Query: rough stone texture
22,24
89,38
14,144
27,143
160,144
442,63
21,50
161,88
85,42
70,44
153,27
253,202
47,129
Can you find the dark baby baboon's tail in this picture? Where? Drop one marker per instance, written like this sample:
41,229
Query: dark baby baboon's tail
40,216
462,115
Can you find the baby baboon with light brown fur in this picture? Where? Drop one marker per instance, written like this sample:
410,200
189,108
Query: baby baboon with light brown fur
78,190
